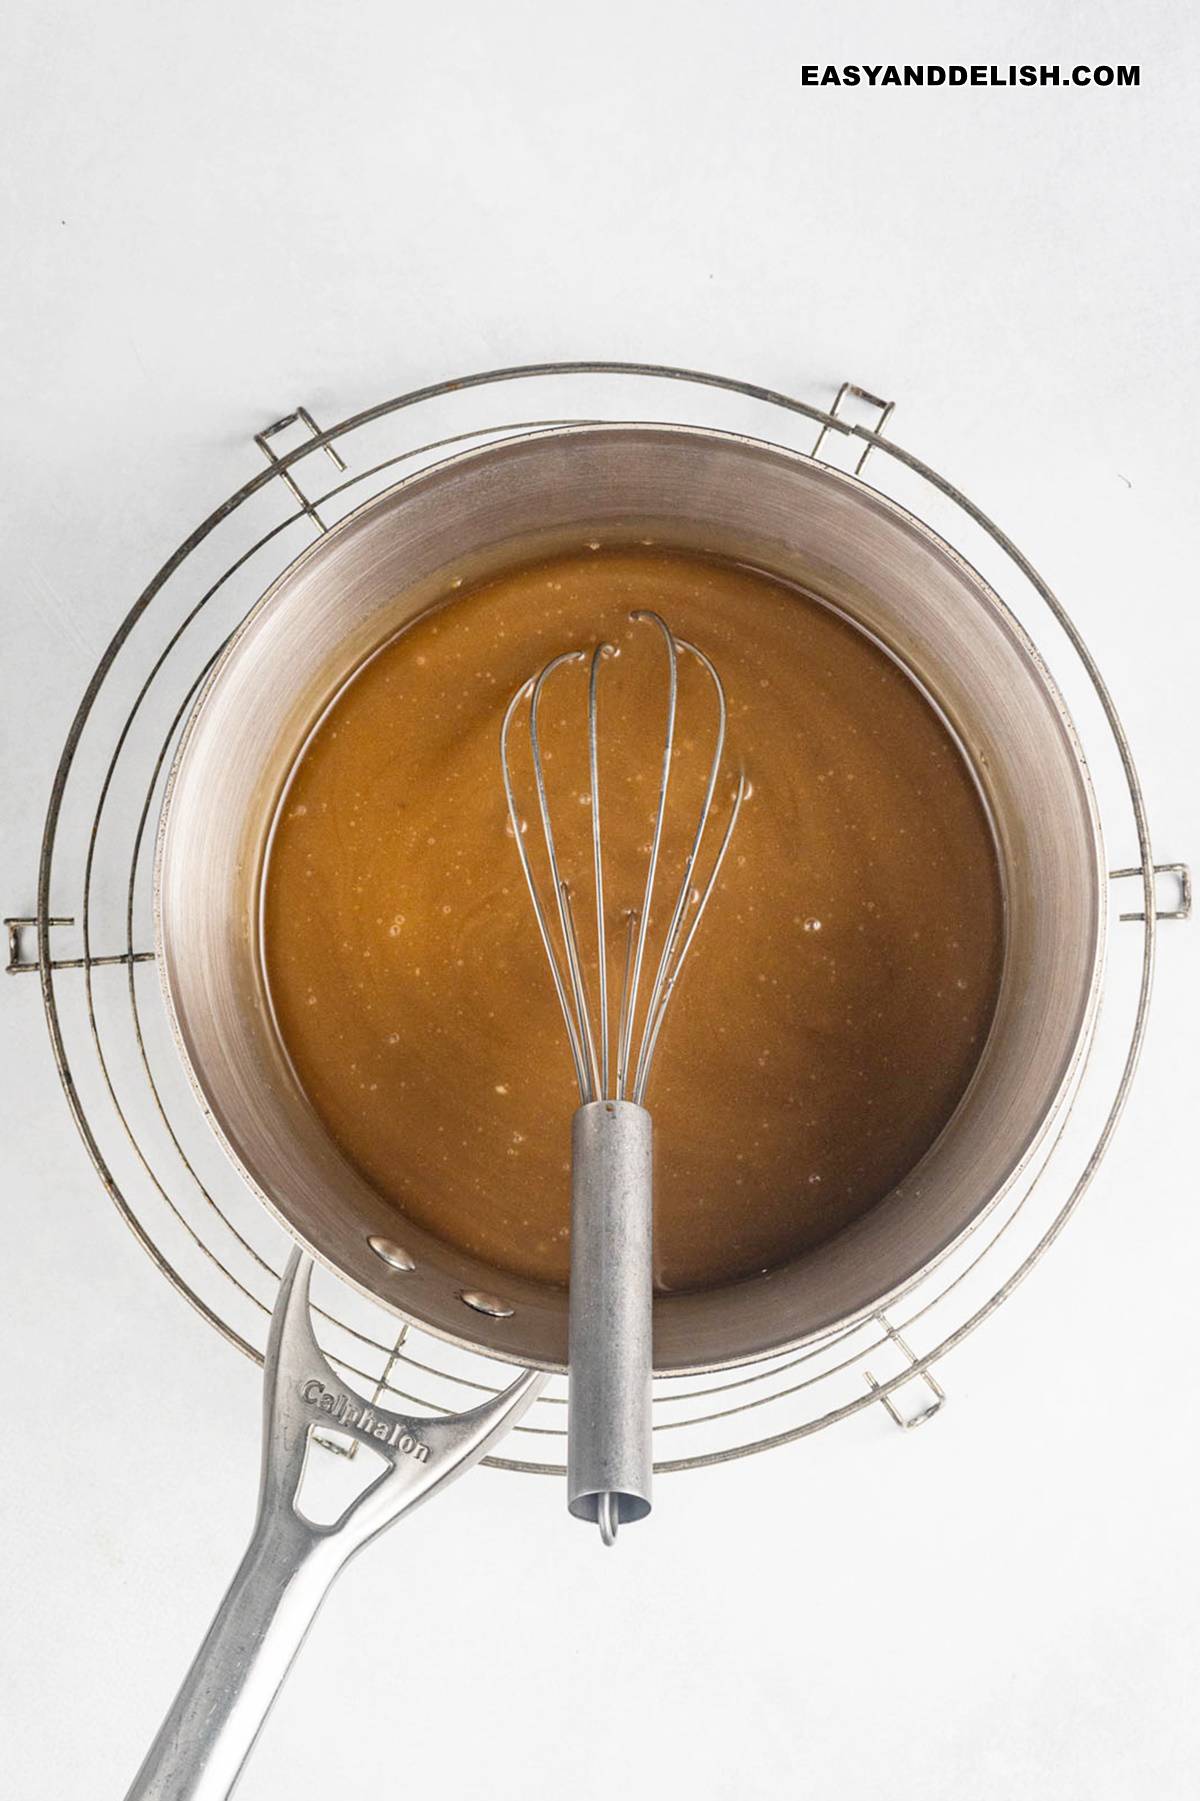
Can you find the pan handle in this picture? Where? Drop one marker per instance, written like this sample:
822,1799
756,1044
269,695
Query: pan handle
206,1737
210,1729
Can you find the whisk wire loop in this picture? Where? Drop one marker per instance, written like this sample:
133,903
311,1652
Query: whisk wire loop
659,993
592,1050
623,1049
598,656
543,925
590,1088
655,1022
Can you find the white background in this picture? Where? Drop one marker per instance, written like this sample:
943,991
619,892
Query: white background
213,212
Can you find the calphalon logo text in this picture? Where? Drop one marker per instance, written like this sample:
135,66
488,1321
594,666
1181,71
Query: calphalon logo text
343,1411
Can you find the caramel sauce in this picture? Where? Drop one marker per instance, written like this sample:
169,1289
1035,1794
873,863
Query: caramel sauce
840,985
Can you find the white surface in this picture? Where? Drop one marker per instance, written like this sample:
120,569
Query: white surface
211,213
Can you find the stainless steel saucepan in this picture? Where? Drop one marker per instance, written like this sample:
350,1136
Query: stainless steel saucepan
694,489
548,490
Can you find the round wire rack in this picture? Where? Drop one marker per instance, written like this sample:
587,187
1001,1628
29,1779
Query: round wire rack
93,927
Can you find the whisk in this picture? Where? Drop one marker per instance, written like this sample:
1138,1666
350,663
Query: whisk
609,1457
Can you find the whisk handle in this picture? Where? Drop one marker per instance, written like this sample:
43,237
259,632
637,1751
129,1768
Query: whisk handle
608,1422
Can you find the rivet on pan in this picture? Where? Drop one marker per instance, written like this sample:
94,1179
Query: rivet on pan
394,1255
486,1303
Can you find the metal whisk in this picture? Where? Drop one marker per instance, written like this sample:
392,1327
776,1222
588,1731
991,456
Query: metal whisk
609,1457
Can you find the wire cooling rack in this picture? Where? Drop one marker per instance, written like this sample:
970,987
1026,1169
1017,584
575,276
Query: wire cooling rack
90,938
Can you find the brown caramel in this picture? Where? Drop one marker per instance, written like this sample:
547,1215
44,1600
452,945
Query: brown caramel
841,983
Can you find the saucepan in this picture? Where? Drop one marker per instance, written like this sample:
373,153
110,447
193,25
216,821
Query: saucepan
696,489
